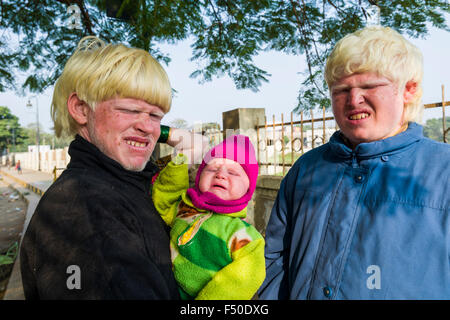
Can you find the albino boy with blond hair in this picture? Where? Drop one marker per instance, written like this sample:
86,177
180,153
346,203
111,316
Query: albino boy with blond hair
366,215
95,233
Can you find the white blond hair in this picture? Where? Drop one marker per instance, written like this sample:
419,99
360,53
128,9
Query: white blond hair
98,71
383,51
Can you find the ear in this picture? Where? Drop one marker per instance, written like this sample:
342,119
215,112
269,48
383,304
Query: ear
78,109
409,91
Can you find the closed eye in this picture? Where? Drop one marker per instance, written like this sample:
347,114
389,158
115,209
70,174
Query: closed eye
341,90
371,86
156,116
130,111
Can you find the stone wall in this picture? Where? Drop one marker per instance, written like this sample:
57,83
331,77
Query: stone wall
265,194
49,159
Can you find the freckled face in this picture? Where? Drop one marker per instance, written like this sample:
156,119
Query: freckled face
225,178
125,130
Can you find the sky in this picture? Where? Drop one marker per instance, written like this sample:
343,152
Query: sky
195,102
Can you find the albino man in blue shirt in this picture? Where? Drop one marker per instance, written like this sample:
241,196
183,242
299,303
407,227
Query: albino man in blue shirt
366,216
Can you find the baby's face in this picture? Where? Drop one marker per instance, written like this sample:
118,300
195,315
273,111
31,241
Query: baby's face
225,178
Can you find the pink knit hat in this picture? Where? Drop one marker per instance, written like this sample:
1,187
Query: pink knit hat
237,148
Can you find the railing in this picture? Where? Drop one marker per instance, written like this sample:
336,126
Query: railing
442,104
57,172
280,144
294,137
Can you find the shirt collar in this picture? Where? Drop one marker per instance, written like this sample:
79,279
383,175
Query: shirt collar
389,145
87,156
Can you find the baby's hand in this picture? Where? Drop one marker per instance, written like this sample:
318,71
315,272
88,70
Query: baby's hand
180,159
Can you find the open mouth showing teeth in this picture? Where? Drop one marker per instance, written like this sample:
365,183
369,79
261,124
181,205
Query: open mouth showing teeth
136,144
359,116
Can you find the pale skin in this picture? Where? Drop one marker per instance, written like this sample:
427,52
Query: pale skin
224,178
127,129
369,107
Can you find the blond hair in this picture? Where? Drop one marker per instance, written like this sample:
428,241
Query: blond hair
98,71
385,52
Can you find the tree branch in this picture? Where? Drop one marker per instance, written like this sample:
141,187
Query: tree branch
335,7
217,18
305,16
308,58
230,10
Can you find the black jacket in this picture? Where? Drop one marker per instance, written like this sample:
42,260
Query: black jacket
96,235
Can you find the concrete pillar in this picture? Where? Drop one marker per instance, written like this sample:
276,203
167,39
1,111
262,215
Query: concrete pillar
243,121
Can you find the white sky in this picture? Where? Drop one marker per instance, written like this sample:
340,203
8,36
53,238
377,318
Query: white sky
196,102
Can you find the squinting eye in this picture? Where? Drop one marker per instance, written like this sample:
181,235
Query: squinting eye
373,86
156,116
129,111
336,92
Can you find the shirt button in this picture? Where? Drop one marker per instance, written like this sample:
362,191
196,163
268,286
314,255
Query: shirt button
327,291
384,158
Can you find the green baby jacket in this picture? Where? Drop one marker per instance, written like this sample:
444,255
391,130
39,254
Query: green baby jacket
214,256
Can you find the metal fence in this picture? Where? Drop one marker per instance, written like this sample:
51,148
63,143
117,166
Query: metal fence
443,104
281,144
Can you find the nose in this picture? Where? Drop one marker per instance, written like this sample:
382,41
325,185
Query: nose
355,97
145,125
220,174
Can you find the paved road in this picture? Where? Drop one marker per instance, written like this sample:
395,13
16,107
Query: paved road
30,185
38,179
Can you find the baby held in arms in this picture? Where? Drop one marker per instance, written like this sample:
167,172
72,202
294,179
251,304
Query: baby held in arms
216,255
